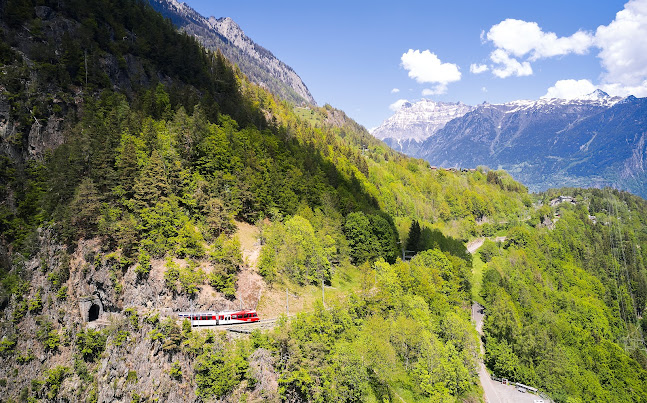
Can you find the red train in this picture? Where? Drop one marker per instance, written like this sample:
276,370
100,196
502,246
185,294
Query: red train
220,318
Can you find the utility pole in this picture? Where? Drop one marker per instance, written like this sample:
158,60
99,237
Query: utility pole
287,306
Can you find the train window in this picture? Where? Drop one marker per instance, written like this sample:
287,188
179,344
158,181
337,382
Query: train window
221,317
254,314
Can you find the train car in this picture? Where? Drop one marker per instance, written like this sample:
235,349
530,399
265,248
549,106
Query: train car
235,317
220,318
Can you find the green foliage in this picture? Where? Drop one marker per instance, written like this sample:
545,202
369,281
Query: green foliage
48,335
53,380
25,357
121,338
91,344
218,372
409,327
226,258
35,305
488,250
370,236
413,238
144,265
7,346
176,371
293,249
19,312
171,275
133,318
561,304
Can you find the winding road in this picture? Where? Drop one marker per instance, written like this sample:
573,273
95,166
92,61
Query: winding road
495,392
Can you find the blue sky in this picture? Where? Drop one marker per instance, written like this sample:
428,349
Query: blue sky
353,54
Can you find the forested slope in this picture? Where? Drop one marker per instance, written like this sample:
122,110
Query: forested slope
129,154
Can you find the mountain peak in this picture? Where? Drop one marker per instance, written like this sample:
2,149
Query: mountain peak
596,95
419,120
224,34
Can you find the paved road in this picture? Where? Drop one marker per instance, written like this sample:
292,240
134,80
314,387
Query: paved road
496,392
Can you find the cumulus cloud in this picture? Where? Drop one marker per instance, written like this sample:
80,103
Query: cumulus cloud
395,91
623,48
507,66
623,55
478,68
520,38
426,68
397,104
569,89
621,44
623,90
432,91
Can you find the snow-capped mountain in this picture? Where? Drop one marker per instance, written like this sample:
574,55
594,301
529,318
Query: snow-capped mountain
594,140
413,123
256,62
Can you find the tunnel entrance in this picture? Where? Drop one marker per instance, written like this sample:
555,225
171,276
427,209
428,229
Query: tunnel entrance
93,314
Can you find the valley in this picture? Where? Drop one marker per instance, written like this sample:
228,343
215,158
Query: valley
154,163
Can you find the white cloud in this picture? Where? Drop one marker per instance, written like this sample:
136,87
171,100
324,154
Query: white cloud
433,91
621,43
622,90
395,91
426,67
520,38
507,66
478,68
623,49
569,89
397,104
483,89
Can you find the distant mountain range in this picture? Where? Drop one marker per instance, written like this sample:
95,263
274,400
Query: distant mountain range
595,140
256,62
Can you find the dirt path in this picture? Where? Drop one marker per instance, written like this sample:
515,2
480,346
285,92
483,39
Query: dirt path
473,245
250,285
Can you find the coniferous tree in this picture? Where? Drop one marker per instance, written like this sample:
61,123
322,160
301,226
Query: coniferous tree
152,185
85,208
413,239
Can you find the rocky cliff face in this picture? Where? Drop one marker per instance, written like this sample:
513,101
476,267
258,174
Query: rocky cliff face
143,357
415,122
223,34
595,140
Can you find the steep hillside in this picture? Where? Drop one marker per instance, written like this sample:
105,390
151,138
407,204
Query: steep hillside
256,62
131,183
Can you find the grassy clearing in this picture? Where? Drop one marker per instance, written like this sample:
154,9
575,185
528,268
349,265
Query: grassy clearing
346,279
309,115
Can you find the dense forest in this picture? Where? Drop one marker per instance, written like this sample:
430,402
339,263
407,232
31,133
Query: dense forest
127,148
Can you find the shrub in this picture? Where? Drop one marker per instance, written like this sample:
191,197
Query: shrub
91,343
176,371
54,379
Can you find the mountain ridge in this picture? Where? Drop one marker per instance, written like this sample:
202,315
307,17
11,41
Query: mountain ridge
255,61
544,143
